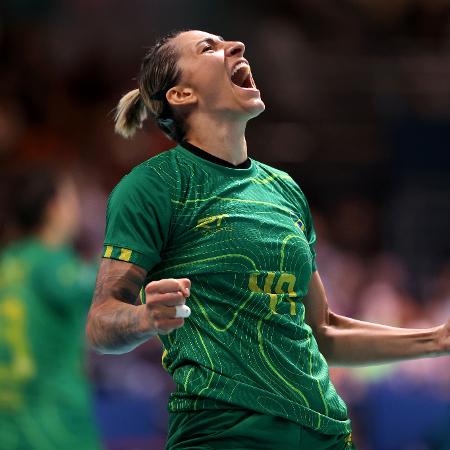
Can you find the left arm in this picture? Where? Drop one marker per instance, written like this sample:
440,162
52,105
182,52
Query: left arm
345,341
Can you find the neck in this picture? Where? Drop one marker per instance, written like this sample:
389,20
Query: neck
224,139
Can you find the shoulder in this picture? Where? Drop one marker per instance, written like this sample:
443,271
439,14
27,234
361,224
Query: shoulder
285,184
157,166
153,172
167,166
147,187
161,163
283,178
266,169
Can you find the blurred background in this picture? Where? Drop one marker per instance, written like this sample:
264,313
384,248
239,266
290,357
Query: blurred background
357,97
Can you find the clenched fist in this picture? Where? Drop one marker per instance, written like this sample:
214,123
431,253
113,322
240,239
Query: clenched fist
165,304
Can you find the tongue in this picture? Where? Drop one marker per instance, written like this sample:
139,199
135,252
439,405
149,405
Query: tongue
240,76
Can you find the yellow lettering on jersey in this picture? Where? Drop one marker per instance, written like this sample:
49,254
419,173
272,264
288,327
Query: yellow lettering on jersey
253,283
125,254
20,367
208,222
284,285
269,280
274,300
289,280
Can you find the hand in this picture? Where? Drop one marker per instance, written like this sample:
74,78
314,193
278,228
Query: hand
443,338
162,297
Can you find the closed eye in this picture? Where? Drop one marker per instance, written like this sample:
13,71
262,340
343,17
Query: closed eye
207,48
209,44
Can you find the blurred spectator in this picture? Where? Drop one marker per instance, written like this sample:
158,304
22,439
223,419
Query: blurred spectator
45,291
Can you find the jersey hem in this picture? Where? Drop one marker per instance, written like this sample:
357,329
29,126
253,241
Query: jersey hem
305,417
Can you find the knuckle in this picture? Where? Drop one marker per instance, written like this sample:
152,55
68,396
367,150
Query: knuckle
173,298
169,282
153,298
150,287
179,297
157,298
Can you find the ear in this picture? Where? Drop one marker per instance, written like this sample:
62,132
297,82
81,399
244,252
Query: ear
181,96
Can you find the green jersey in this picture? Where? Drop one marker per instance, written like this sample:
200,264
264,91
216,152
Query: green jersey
44,297
244,237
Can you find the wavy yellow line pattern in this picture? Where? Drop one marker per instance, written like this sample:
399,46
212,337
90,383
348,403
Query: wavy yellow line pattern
186,380
269,179
191,263
283,245
229,199
274,370
230,323
210,361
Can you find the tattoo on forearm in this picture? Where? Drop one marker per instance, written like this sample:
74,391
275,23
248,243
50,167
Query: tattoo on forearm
119,280
115,324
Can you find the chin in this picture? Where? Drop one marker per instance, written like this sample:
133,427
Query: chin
255,108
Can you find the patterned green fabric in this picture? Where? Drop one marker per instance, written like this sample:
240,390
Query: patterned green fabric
244,237
44,400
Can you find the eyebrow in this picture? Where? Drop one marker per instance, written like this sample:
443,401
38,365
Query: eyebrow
210,40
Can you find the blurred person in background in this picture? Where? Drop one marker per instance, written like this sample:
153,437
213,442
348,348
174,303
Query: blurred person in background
45,292
203,223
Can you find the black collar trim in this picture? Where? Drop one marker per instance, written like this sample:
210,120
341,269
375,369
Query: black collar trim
205,155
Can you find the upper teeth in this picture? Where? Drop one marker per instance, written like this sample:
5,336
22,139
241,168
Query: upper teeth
239,66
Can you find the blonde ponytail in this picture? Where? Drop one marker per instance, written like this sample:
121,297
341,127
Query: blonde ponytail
130,114
159,72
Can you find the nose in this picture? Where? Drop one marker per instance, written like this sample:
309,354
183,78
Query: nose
235,48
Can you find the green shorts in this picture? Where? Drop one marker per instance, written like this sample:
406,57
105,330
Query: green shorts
246,430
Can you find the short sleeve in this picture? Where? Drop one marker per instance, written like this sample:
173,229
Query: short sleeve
138,218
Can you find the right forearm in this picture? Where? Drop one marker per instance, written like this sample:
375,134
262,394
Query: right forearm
115,324
116,327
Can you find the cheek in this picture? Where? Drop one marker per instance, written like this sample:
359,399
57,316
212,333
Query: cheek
203,81
214,88
209,79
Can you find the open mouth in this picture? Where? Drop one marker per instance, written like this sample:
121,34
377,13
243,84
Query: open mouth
241,76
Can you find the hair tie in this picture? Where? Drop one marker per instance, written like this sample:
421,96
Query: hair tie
167,123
